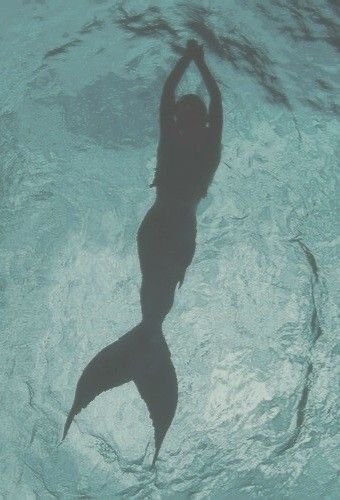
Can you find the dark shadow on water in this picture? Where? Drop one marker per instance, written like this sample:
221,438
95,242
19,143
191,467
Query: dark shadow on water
188,154
103,111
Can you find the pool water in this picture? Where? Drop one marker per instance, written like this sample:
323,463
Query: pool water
253,329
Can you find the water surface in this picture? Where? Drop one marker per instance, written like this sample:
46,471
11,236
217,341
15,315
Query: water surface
253,329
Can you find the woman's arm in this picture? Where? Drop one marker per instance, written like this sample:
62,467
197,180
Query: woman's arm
215,107
168,95
167,105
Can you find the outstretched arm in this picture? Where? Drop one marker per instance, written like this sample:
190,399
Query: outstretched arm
167,105
215,107
169,89
168,95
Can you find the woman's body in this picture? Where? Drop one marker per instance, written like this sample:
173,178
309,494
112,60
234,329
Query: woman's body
188,155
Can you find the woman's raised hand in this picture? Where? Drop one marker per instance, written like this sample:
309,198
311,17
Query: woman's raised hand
195,51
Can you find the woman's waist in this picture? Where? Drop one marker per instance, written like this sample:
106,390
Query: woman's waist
187,190
175,204
167,220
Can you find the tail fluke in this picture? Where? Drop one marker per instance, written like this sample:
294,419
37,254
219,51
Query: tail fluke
157,384
108,369
140,357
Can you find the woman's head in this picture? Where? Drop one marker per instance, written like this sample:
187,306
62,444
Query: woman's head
191,112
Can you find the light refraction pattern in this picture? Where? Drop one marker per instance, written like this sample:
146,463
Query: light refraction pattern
253,329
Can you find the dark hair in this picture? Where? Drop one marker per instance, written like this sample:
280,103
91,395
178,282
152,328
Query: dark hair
190,109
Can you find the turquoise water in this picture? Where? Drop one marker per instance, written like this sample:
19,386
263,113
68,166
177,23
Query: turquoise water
253,329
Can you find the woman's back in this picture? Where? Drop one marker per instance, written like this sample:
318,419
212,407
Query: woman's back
185,164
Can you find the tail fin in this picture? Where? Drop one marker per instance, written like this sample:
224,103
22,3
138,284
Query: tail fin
140,357
157,384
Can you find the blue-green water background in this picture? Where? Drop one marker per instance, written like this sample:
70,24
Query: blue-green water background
253,329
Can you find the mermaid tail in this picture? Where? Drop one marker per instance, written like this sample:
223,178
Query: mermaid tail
141,356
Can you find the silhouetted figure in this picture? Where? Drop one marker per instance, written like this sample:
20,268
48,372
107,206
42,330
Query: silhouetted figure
188,155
